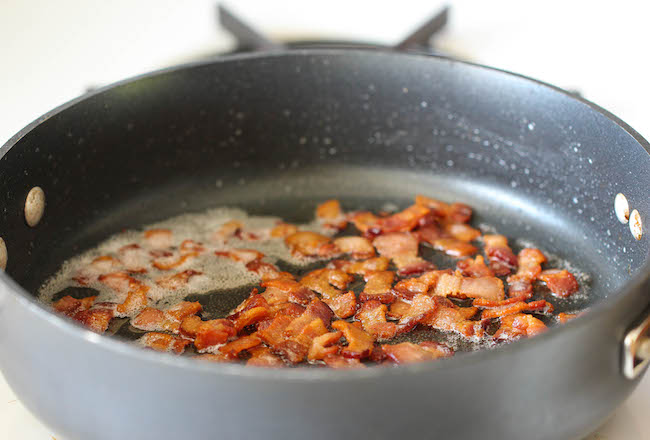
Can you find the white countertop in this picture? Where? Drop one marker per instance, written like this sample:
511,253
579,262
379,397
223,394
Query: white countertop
52,51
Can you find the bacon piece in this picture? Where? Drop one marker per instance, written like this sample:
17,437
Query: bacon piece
456,285
416,269
398,309
360,343
357,247
249,317
561,283
232,349
529,267
403,221
178,280
360,267
164,342
456,212
462,232
133,257
324,280
378,287
151,319
430,233
121,282
273,332
401,247
317,310
244,256
213,333
135,302
451,318
168,263
184,309
502,260
422,307
516,326
563,318
267,271
95,319
227,230
344,305
329,210
70,306
282,230
454,247
339,362
282,290
423,284
322,346
189,326
408,353
158,238
105,263
509,309
311,244
373,318
366,222
475,268
263,357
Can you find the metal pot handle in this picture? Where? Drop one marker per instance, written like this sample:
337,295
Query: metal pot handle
636,349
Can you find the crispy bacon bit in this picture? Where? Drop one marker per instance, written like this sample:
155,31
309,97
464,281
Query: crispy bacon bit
398,309
227,230
105,263
361,267
403,221
282,230
407,352
232,349
563,318
344,305
190,326
508,309
456,285
561,283
378,287
151,319
264,357
244,256
158,238
184,309
462,232
454,247
340,362
502,260
249,317
329,210
168,263
416,269
317,310
119,281
365,222
360,343
135,301
273,333
213,333
474,268
164,342
267,271
96,319
529,262
516,326
373,318
311,244
357,247
422,307
411,286
178,280
401,247
456,212
322,346
324,280
430,233
70,306
451,318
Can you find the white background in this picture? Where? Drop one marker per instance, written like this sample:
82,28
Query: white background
51,51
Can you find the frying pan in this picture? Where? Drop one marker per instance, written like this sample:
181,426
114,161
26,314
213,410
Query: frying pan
273,134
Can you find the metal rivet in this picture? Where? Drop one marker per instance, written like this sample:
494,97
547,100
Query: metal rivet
3,254
621,208
34,206
636,226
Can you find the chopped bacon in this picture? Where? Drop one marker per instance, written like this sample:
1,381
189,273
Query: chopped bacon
456,285
516,326
451,318
344,305
561,283
456,212
311,244
178,280
135,302
454,247
398,309
462,232
329,210
402,221
213,333
184,309
249,317
232,349
264,357
105,263
517,307
324,280
70,306
360,267
430,233
407,352
158,238
357,247
119,281
339,362
360,343
282,230
227,230
563,318
372,316
317,310
151,319
411,286
474,268
190,326
267,271
241,255
416,268
168,263
401,247
378,287
529,267
273,333
164,342
502,260
96,319
322,345
421,308
133,258
365,222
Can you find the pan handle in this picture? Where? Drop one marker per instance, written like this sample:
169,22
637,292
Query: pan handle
636,349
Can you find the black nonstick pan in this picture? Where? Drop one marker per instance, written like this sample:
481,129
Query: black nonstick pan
279,132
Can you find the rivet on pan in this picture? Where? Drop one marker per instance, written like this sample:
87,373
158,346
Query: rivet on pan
3,254
636,226
621,208
34,206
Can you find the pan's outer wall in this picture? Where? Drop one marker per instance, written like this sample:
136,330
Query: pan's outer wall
245,117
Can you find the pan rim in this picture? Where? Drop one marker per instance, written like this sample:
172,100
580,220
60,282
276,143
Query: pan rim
118,347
